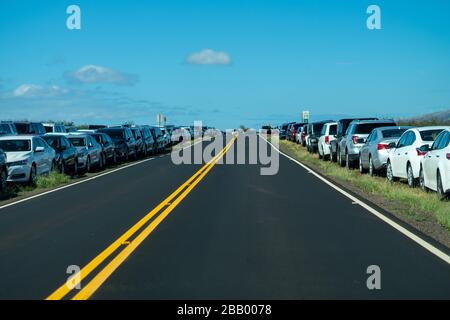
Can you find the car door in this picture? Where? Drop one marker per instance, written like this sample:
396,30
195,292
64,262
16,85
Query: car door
431,162
396,154
39,157
408,151
365,150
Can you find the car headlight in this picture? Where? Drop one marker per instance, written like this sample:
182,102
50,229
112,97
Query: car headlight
18,163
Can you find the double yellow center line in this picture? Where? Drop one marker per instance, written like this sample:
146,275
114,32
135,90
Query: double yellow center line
131,239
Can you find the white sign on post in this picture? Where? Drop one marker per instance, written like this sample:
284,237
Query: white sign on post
305,116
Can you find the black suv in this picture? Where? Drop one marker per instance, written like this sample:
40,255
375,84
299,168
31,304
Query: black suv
342,126
30,128
124,141
147,139
66,153
108,147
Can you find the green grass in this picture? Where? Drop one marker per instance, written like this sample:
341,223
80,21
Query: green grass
413,203
51,180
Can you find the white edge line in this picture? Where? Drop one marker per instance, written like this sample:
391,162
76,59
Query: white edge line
440,254
89,179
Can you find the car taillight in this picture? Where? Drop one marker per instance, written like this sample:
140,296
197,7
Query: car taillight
355,139
382,146
421,153
448,156
327,139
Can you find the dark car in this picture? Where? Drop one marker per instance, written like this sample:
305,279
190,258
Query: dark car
158,138
342,126
283,130
140,147
125,145
7,129
3,172
313,134
293,129
108,146
30,128
148,141
66,154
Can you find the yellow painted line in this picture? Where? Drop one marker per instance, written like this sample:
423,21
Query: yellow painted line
64,289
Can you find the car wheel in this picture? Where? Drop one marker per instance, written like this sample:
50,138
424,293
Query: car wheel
62,168
440,189
390,173
33,175
320,154
361,166
422,180
75,168
88,164
332,159
114,158
3,179
372,170
411,180
340,160
348,164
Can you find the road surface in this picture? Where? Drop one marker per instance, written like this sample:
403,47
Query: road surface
234,235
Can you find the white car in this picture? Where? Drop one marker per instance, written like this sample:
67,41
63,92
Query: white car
435,166
327,135
27,157
405,156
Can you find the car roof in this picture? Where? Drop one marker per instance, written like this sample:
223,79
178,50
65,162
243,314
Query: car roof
77,135
19,137
372,121
431,128
394,127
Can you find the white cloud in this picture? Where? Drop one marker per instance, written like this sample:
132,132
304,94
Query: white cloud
209,57
33,90
98,74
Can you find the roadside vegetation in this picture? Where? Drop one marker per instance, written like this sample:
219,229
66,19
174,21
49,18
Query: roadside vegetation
398,197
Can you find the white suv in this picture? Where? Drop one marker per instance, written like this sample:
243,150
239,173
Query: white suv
435,166
405,156
327,135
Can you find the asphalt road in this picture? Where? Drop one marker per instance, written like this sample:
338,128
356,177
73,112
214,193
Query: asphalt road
235,235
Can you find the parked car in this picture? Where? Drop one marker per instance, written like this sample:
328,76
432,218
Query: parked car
166,136
158,137
89,152
54,128
342,126
123,138
355,138
30,128
293,131
283,130
405,156
313,134
327,135
66,157
71,129
27,157
7,128
435,166
3,171
147,139
302,137
140,147
374,154
108,147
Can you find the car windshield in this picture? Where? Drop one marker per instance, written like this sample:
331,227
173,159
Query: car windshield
48,129
52,141
284,127
115,134
78,142
333,130
97,138
317,128
430,135
22,128
392,133
15,145
366,128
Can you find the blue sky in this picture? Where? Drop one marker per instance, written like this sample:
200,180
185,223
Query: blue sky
269,60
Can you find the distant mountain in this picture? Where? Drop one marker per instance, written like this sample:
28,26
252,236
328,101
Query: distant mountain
440,117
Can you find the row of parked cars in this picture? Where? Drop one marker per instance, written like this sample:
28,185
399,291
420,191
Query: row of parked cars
30,149
419,155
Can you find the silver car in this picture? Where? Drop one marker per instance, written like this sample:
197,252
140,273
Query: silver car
356,137
89,151
27,157
374,154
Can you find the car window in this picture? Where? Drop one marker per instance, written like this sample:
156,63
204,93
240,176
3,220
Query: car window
78,142
402,141
15,145
430,135
366,128
392,133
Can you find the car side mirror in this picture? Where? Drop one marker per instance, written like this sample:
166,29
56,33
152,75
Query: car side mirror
425,148
39,149
392,145
90,145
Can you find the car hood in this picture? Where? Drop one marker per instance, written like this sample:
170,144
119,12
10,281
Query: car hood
17,156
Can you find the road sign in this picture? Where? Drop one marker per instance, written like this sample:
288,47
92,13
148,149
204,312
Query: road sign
161,120
305,116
